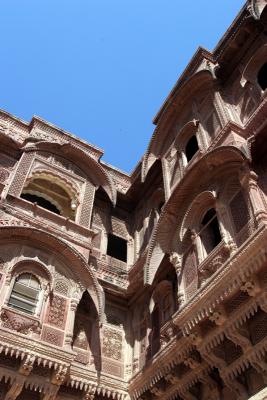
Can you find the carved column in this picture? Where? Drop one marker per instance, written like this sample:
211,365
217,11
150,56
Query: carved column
221,108
249,179
223,220
166,178
176,261
22,171
70,322
87,205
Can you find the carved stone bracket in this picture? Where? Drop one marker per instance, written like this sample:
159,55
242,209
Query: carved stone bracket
218,317
251,287
176,261
237,338
90,394
237,388
27,365
59,375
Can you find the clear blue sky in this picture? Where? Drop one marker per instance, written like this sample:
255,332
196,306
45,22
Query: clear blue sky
102,68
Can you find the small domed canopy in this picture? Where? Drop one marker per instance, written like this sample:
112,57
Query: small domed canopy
174,210
71,258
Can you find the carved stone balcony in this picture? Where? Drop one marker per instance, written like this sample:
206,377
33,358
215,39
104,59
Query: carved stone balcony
29,214
110,270
213,262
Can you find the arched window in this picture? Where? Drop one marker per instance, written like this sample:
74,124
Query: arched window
209,231
41,202
25,293
262,77
51,193
191,148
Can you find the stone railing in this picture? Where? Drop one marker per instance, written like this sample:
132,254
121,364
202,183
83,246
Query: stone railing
41,218
110,270
213,262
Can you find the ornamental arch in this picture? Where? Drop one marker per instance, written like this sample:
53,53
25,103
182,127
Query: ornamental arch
93,169
42,248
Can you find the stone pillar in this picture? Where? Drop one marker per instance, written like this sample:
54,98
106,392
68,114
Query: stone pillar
184,160
21,173
224,221
87,205
249,179
70,323
176,261
221,108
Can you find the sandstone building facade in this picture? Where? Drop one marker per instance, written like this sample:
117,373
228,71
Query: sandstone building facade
150,285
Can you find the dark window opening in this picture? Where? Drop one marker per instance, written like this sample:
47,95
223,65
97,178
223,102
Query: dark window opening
191,148
40,202
262,77
117,247
210,233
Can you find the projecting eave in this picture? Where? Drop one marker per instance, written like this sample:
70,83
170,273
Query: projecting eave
91,148
200,55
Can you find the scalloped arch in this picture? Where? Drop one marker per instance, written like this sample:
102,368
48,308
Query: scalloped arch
37,264
93,169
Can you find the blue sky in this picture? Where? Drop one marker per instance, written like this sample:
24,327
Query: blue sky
102,68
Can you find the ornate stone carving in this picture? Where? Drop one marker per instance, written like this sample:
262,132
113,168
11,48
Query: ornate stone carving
27,364
19,323
251,287
176,261
57,312
112,344
52,336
